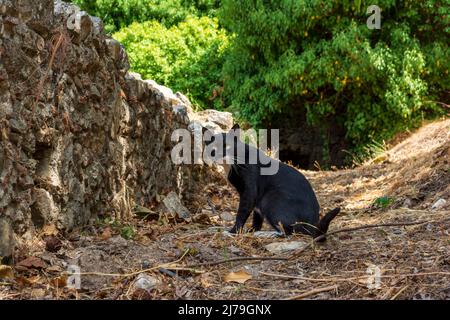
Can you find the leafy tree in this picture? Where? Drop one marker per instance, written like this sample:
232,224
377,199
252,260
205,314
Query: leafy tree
321,56
117,14
186,57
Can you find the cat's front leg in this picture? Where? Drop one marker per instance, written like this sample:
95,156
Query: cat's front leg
257,220
246,205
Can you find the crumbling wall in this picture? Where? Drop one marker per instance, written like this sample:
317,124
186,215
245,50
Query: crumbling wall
79,134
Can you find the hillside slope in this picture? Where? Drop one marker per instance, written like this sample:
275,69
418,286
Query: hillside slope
413,174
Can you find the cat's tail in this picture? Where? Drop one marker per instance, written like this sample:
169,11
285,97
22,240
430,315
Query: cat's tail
324,223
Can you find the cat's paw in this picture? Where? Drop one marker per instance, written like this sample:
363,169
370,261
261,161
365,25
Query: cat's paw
228,234
236,229
254,229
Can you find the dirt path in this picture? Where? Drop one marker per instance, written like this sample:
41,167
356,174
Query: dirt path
402,262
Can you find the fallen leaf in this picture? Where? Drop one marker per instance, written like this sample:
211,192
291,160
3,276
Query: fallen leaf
52,243
6,272
205,280
49,230
216,200
59,282
54,269
28,281
202,218
145,213
32,262
106,234
38,293
240,276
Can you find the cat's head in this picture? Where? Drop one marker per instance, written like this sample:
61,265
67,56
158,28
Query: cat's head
221,148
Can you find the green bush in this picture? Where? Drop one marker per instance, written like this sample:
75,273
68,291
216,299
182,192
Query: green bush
186,57
117,14
321,56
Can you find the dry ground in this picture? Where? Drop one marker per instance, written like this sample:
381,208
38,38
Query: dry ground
413,261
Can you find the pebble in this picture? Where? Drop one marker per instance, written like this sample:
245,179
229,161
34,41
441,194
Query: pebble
145,282
438,204
279,247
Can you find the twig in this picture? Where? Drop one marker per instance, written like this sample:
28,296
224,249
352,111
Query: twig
387,294
214,263
339,279
164,265
313,292
212,206
287,276
40,85
273,290
371,226
399,292
5,284
168,272
440,103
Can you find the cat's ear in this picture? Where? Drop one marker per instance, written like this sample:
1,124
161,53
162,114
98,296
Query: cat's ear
235,127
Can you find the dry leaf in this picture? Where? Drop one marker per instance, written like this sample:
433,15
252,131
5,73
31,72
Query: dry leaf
59,282
6,272
38,293
49,230
202,218
240,276
28,281
106,234
205,280
32,262
52,243
54,269
216,200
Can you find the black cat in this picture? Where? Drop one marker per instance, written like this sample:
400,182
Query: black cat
286,199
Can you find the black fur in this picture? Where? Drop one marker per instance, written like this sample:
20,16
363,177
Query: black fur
286,199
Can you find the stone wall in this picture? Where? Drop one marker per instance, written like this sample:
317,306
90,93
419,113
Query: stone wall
79,134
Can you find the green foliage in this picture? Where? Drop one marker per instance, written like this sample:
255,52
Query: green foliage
117,14
321,56
383,202
127,232
186,57
371,150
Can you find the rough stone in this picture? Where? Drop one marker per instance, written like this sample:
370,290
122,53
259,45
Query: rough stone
81,135
279,247
224,120
145,282
6,238
174,205
226,216
438,204
43,210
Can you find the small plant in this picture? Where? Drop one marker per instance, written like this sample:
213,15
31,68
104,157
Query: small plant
383,202
238,289
226,255
127,232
